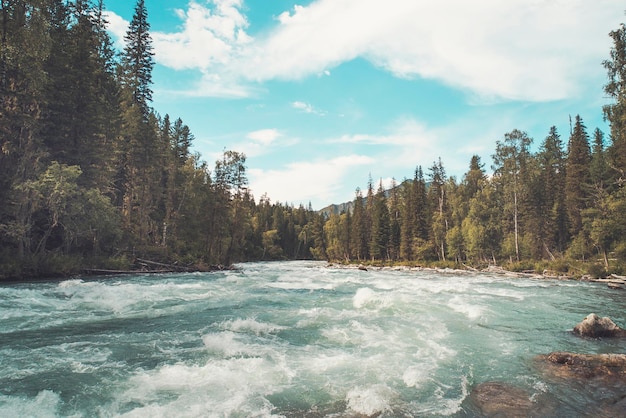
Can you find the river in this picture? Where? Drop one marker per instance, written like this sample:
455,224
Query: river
289,339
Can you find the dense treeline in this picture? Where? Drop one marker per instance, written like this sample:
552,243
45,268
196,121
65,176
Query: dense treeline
92,176
561,207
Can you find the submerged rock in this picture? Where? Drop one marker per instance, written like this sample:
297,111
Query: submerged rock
501,399
584,366
595,327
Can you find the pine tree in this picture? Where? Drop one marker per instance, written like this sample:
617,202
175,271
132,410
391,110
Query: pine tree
138,178
358,237
550,194
409,219
24,46
615,112
439,204
138,60
577,176
599,168
395,221
380,231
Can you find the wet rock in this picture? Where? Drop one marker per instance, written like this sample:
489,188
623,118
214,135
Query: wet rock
595,327
496,399
584,366
614,409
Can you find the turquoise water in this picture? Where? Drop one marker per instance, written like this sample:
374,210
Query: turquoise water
289,339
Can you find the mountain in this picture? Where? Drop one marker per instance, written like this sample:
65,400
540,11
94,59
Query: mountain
337,209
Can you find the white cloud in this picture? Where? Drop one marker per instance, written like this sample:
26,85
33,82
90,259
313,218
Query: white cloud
209,36
264,136
262,142
307,108
118,27
517,49
293,184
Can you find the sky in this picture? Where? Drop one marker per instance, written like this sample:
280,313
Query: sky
322,95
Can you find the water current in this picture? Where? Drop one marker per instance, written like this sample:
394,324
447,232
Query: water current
290,339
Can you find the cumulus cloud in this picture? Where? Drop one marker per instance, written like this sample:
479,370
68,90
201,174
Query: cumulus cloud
287,184
492,49
511,50
208,37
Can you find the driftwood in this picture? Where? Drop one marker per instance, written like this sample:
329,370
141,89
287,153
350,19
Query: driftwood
148,266
170,267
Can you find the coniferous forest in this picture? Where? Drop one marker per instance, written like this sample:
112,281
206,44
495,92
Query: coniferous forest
92,177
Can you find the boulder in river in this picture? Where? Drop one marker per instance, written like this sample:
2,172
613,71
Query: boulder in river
595,327
585,366
497,399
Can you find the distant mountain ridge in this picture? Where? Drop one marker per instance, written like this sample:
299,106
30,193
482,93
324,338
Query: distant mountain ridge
337,209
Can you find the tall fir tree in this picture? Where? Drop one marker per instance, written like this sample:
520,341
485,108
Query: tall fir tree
615,112
439,206
358,233
577,177
551,214
380,230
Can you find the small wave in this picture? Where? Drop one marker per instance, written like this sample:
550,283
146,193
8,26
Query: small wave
45,404
366,297
225,343
220,388
251,325
370,400
71,283
470,310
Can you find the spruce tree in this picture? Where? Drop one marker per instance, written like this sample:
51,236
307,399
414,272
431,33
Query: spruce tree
615,112
138,60
380,230
439,206
358,228
577,177
550,194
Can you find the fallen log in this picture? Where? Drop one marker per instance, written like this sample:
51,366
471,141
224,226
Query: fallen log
172,267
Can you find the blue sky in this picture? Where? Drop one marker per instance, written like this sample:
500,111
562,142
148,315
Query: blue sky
321,94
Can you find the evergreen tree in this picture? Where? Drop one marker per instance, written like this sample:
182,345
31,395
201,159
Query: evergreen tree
24,46
138,178
474,179
358,231
552,216
439,204
577,176
138,61
615,112
409,219
395,221
599,168
380,230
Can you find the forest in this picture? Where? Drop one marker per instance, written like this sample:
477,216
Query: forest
92,177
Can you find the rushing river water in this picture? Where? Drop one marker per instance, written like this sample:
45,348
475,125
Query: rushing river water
289,339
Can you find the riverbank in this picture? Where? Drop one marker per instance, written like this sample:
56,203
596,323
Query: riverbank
68,267
613,281
449,270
